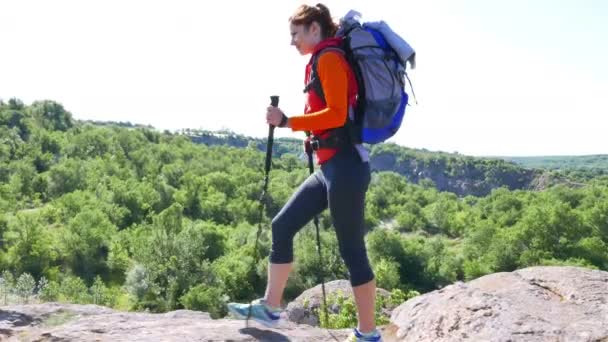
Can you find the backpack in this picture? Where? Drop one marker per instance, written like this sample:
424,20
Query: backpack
378,57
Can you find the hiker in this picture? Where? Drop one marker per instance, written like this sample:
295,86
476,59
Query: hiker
340,184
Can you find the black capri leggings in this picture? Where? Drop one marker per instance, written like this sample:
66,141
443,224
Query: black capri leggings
341,185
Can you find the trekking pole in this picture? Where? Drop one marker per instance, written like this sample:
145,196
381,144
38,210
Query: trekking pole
311,169
274,101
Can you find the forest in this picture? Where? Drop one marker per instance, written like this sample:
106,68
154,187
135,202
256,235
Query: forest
138,219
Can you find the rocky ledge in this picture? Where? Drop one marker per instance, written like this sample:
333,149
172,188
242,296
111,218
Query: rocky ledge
532,304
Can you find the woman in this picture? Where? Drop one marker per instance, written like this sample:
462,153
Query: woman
340,185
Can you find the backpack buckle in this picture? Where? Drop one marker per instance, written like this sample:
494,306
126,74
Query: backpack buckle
315,144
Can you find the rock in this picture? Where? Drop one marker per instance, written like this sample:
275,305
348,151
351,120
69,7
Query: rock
65,322
301,310
533,304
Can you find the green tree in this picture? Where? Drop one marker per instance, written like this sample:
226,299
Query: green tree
87,244
24,287
32,248
51,115
235,276
7,283
65,177
138,198
73,290
22,179
207,299
99,292
387,274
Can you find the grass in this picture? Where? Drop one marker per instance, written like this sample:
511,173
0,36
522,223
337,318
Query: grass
58,318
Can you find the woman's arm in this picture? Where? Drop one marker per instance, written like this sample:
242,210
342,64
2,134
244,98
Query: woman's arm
332,72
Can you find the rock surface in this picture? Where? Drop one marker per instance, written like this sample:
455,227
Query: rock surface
532,304
301,310
65,322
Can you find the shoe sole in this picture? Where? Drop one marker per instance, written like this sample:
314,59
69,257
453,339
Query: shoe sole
380,340
265,323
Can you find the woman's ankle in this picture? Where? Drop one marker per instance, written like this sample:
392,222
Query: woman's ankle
368,333
272,306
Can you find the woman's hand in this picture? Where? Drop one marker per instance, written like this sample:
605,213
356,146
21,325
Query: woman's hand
275,117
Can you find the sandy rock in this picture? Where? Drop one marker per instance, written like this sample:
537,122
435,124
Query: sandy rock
532,304
301,309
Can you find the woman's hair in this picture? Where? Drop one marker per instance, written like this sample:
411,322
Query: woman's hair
306,15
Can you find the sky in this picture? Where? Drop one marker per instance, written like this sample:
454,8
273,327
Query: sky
493,78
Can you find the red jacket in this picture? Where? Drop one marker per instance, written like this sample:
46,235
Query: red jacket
336,78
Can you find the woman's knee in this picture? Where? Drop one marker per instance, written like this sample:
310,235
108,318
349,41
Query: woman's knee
280,228
357,263
282,242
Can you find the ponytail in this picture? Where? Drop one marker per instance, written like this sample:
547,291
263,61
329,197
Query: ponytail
306,15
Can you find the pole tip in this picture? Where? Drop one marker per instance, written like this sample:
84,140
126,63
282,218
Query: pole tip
274,100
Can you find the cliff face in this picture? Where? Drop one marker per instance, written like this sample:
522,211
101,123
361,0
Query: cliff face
533,304
459,174
477,179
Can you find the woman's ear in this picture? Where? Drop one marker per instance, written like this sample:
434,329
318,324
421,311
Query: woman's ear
315,28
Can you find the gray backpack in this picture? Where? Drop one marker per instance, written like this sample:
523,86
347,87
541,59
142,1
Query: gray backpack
378,58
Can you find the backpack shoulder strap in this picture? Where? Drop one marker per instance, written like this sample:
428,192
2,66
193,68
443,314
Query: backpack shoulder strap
411,87
314,82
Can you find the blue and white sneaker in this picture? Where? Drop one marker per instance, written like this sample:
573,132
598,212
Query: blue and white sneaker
260,312
357,336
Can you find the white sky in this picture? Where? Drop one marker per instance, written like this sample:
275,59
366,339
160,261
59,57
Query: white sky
501,77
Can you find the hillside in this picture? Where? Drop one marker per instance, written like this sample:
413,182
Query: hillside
579,168
452,172
589,162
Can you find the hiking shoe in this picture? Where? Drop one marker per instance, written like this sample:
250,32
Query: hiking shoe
260,312
356,336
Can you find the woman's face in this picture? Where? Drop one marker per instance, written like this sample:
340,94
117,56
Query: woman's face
305,39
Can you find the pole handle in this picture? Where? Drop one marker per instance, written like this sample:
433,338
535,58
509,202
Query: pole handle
274,101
